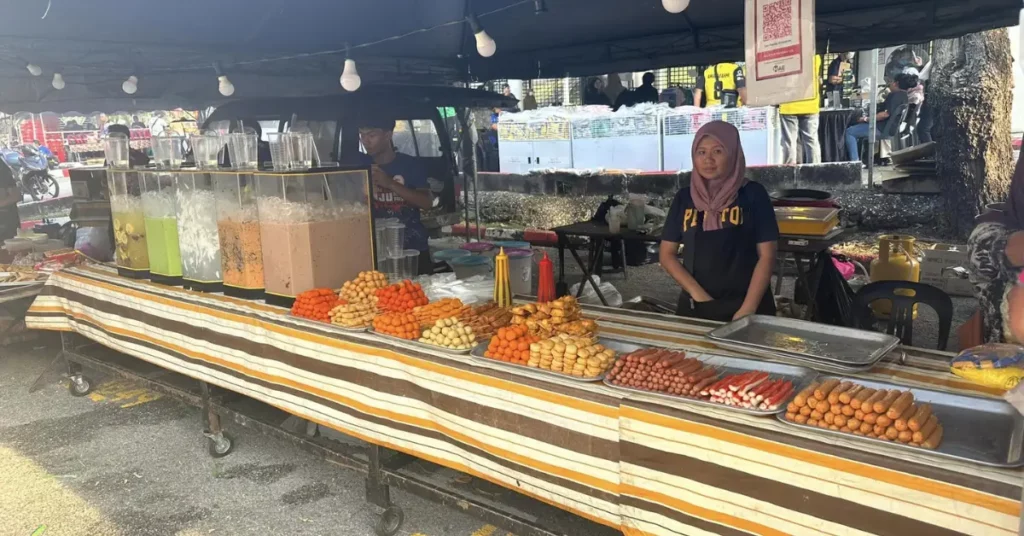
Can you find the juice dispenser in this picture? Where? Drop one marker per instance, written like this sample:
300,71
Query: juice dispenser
130,247
158,205
238,229
199,242
316,230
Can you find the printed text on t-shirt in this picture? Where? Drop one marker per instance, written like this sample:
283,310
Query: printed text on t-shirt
731,217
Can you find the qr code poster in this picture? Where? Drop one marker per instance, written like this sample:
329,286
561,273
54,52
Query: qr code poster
780,51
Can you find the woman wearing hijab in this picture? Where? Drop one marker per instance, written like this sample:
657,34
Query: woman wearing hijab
728,231
997,257
594,95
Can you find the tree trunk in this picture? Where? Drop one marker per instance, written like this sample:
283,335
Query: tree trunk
970,90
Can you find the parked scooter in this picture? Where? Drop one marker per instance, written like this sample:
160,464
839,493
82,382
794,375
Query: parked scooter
32,171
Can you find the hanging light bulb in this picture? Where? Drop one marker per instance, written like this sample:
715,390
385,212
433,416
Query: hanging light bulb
131,85
675,6
350,79
484,44
225,86
34,69
58,81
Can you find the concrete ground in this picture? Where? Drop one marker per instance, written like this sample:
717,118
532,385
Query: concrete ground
126,461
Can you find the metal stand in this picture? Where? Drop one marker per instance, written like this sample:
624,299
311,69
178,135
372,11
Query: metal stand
383,467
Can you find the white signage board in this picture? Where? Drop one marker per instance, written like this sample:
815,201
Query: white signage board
780,51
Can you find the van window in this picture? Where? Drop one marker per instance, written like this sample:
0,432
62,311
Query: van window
324,135
417,137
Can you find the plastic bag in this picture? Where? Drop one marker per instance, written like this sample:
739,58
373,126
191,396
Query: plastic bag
996,365
611,294
94,242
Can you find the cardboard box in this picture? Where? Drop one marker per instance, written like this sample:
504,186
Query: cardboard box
943,256
949,283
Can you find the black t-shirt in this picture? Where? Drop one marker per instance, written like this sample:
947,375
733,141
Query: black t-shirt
891,105
834,69
723,261
9,220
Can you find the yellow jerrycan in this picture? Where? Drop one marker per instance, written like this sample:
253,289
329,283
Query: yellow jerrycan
897,261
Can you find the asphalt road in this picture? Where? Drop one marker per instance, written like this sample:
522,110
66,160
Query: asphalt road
126,461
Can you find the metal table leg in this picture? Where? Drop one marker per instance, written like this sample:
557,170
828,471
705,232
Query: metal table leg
589,270
378,493
220,443
562,288
803,280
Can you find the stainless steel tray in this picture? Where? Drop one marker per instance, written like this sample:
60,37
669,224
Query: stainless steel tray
800,376
620,347
419,344
325,325
980,430
833,345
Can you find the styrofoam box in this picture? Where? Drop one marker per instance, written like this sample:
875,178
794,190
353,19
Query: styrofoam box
943,256
759,134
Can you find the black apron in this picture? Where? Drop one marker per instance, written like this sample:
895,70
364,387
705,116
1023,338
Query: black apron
723,307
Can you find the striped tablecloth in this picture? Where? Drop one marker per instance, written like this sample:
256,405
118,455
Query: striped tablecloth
620,460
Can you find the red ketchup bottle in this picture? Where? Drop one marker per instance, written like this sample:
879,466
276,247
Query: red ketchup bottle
545,280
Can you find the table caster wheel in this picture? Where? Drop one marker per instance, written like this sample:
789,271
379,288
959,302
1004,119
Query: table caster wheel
79,385
390,521
220,445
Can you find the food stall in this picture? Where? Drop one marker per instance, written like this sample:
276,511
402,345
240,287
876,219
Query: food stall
596,411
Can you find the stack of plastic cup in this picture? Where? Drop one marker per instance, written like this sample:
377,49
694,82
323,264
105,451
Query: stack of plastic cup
393,268
205,148
378,238
411,264
167,152
244,151
394,240
115,149
280,151
301,146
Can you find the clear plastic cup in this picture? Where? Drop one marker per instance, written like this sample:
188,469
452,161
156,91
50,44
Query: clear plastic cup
167,152
244,151
411,264
393,267
301,145
378,238
115,150
205,149
280,151
394,240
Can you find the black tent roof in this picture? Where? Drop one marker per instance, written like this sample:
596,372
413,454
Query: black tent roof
172,46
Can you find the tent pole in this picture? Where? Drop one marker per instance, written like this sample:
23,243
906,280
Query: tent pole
467,148
873,118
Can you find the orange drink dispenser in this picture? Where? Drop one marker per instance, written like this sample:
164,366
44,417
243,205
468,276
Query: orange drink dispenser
238,230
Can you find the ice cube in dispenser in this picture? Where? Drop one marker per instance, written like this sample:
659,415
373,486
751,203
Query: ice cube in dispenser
198,240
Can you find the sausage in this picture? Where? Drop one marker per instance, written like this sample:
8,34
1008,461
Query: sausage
872,435
822,424
816,415
845,429
833,397
867,406
861,397
830,418
892,433
847,410
933,440
878,430
858,414
839,421
805,411
883,420
905,400
792,408
801,398
853,424
882,406
846,396
801,419
902,423
865,428
870,418
927,429
920,417
835,409
833,427
790,416
812,422
858,432
822,392
905,436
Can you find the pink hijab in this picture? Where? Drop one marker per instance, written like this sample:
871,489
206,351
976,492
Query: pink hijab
714,196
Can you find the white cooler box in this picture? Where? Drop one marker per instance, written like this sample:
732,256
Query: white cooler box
617,142
759,134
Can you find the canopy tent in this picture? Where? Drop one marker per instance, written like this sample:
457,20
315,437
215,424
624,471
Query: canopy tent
277,48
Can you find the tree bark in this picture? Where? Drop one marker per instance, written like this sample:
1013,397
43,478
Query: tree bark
970,89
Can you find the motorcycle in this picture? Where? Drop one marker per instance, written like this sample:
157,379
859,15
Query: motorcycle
32,172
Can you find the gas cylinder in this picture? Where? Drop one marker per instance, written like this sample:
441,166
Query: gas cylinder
897,261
